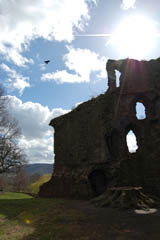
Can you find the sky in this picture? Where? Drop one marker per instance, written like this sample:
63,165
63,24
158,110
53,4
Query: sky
78,37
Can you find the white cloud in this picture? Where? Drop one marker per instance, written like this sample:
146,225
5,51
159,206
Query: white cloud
61,77
13,54
126,4
23,21
38,150
15,80
37,136
82,62
77,104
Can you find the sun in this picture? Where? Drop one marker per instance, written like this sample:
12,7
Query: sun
135,37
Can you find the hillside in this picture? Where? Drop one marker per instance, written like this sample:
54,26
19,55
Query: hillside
39,168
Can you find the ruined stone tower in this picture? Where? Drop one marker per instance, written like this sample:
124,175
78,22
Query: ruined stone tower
90,145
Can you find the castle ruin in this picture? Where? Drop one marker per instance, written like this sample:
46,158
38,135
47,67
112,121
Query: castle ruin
91,152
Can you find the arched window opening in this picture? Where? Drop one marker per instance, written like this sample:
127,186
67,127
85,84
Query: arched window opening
98,181
131,142
118,74
140,111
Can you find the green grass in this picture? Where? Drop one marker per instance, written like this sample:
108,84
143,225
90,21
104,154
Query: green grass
14,195
23,217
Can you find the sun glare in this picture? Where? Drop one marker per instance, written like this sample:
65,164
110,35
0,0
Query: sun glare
135,37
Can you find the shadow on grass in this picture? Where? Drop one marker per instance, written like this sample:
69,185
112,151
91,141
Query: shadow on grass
40,218
57,219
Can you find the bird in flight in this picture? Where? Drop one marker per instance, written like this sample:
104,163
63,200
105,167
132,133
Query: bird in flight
47,61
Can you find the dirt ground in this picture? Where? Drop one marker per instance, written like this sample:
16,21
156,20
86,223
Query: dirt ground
110,223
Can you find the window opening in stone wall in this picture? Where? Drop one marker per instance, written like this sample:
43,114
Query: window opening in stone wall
140,111
98,181
131,142
118,74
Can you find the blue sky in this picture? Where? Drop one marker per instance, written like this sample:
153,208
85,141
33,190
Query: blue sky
78,36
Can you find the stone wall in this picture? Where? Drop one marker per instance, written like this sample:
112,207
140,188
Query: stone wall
80,147
91,152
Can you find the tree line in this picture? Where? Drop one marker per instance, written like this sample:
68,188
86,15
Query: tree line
21,181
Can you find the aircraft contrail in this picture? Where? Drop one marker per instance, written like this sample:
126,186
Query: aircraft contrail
94,35
101,35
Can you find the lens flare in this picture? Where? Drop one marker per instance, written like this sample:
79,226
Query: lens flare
135,37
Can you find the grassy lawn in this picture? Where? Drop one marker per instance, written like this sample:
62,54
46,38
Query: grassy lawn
23,217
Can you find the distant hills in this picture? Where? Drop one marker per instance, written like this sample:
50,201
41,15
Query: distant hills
38,168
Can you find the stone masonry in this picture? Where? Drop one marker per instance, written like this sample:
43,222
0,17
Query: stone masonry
90,145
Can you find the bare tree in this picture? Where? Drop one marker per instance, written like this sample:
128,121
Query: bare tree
21,181
11,156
